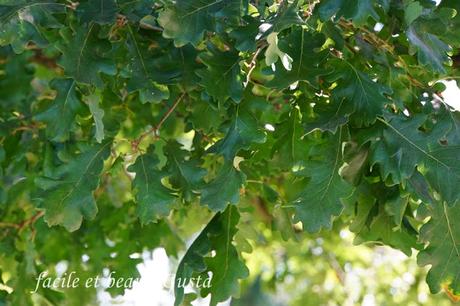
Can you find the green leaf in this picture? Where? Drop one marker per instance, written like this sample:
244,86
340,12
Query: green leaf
167,71
303,48
431,51
363,203
222,79
245,35
418,186
412,11
319,201
99,11
380,217
67,195
186,175
328,8
443,250
451,119
142,70
286,16
187,20
60,116
329,117
193,261
382,229
114,112
355,162
19,31
242,132
226,266
224,189
254,296
396,208
356,10
83,55
447,22
357,88
404,147
289,144
15,82
97,113
154,199
395,152
136,10
289,108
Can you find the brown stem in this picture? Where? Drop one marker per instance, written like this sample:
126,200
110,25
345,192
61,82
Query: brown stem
169,112
135,143
378,42
253,63
42,59
21,128
6,224
262,209
32,220
371,37
339,273
28,222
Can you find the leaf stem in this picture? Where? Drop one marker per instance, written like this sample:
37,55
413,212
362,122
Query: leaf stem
254,182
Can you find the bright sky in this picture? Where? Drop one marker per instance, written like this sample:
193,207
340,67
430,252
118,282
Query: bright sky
154,286
452,94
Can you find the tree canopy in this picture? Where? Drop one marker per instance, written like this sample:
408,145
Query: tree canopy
226,131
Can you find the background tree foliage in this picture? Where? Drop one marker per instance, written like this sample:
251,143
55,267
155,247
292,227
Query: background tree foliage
252,128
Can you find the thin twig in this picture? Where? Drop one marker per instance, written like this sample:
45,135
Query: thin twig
378,42
253,64
30,127
135,143
169,112
32,220
339,273
370,36
25,223
6,224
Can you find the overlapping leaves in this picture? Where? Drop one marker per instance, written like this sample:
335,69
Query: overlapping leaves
304,49
154,199
404,148
187,20
285,96
319,201
358,89
225,265
442,254
67,195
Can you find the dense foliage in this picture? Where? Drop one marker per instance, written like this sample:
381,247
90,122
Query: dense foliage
228,130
